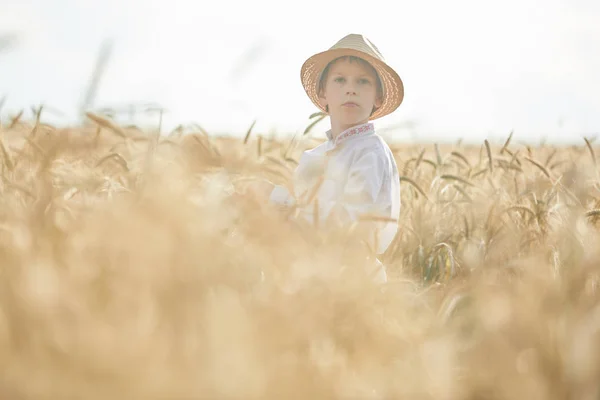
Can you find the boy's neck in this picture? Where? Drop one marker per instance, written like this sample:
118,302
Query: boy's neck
337,128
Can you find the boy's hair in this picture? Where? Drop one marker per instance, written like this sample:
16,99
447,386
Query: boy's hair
363,62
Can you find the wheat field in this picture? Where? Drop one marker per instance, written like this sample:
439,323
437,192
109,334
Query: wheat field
139,266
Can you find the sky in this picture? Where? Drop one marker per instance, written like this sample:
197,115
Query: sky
472,69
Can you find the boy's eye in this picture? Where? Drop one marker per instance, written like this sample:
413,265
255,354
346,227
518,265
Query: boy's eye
339,79
364,81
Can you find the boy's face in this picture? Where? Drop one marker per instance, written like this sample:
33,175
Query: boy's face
350,92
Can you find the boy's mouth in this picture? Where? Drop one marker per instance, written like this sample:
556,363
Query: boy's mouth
349,104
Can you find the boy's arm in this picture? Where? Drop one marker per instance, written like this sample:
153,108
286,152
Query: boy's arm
364,183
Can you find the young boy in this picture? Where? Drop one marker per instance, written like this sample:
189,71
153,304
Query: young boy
354,173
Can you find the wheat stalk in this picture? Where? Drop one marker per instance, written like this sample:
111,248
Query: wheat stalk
540,166
489,154
415,185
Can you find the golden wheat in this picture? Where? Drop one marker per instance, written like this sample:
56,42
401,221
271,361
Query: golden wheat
138,267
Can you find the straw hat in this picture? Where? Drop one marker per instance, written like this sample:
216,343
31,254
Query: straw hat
359,46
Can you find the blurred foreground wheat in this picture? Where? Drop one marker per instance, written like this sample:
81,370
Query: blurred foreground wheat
137,267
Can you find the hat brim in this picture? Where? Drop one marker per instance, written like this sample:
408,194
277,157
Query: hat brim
393,88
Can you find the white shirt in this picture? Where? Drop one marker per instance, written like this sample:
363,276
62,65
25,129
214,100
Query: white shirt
359,176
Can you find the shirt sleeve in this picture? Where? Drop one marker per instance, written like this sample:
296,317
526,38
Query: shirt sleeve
365,181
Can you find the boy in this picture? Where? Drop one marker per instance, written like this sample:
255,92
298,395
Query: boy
354,173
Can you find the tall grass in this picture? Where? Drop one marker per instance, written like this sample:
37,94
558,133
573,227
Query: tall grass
138,267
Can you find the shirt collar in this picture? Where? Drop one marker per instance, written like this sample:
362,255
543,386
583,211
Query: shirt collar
365,129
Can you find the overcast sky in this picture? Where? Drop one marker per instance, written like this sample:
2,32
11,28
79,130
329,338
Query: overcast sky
471,68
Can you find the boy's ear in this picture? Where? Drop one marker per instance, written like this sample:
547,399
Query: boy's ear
378,103
323,99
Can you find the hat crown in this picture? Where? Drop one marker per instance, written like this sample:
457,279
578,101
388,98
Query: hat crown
358,42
